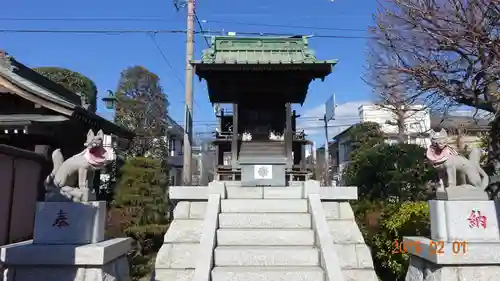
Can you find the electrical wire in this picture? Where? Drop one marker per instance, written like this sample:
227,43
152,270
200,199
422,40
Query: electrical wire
153,38
208,21
197,19
201,29
287,26
170,31
298,119
95,31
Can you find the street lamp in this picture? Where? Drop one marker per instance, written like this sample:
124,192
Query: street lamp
110,100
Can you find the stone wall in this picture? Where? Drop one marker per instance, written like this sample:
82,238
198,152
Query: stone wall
177,258
355,256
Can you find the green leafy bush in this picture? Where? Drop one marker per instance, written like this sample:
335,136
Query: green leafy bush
385,227
139,211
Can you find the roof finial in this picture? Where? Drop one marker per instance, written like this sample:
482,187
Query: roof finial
5,60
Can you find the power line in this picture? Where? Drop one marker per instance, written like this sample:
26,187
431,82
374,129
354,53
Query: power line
133,19
287,26
170,31
201,28
152,36
93,31
83,19
90,31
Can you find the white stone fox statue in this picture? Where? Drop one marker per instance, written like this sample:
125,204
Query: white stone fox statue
457,169
72,179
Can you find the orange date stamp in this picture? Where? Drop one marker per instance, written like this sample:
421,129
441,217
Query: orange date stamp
434,247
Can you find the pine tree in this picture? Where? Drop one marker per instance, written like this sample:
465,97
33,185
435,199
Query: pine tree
139,211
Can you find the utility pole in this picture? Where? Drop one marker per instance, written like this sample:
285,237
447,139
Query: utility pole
329,115
188,118
315,161
327,153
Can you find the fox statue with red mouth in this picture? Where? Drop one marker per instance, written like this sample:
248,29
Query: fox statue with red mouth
71,180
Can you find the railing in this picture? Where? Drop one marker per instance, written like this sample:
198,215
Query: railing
208,238
330,260
224,135
299,135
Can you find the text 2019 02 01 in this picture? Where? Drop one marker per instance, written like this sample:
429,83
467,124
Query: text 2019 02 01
434,247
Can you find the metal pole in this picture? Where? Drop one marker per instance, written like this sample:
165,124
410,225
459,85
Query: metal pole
327,153
188,119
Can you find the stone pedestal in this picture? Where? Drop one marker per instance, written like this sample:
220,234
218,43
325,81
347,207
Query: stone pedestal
462,194
69,223
68,245
464,244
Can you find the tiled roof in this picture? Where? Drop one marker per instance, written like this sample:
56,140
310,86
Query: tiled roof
41,87
21,75
260,50
457,122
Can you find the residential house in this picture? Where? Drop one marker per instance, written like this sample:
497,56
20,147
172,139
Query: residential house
175,141
203,164
417,122
462,130
417,125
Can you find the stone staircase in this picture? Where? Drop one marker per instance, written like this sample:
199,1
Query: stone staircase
262,152
264,234
266,240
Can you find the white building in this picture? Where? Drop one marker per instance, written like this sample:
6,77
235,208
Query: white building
417,122
417,125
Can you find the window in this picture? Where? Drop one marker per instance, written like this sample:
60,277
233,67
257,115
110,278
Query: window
171,144
347,151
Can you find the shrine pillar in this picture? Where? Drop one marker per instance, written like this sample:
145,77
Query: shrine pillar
235,139
288,135
464,242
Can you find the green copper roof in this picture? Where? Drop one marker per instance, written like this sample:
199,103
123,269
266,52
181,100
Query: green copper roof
260,50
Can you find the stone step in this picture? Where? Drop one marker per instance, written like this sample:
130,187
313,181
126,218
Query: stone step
264,206
266,256
265,220
309,273
263,237
275,192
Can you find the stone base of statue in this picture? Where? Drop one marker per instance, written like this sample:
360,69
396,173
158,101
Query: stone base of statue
69,223
68,245
462,193
464,243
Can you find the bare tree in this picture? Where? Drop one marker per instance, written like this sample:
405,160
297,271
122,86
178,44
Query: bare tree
391,96
445,52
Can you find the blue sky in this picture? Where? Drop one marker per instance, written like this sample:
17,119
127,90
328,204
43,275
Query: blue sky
102,57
